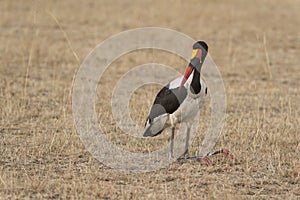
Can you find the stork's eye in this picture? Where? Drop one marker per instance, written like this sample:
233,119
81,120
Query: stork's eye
205,90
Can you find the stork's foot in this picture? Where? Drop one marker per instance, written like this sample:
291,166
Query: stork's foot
185,156
172,158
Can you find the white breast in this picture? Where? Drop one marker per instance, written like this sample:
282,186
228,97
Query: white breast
190,107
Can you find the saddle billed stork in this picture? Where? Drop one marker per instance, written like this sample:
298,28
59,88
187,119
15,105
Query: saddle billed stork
180,101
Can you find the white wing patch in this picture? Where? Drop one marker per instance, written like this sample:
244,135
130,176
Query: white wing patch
176,82
156,126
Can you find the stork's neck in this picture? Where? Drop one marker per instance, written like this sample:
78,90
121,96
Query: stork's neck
195,85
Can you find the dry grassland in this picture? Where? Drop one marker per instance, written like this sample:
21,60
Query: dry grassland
256,45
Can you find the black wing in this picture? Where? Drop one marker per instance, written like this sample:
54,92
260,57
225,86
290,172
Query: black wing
167,101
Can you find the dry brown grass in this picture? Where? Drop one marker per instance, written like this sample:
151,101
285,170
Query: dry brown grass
256,46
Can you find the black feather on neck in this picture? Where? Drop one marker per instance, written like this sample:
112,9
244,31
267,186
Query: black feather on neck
195,85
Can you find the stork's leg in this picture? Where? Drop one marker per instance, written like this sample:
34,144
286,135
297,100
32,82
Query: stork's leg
187,141
172,143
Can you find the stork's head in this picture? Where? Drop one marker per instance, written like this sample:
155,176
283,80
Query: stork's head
199,53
